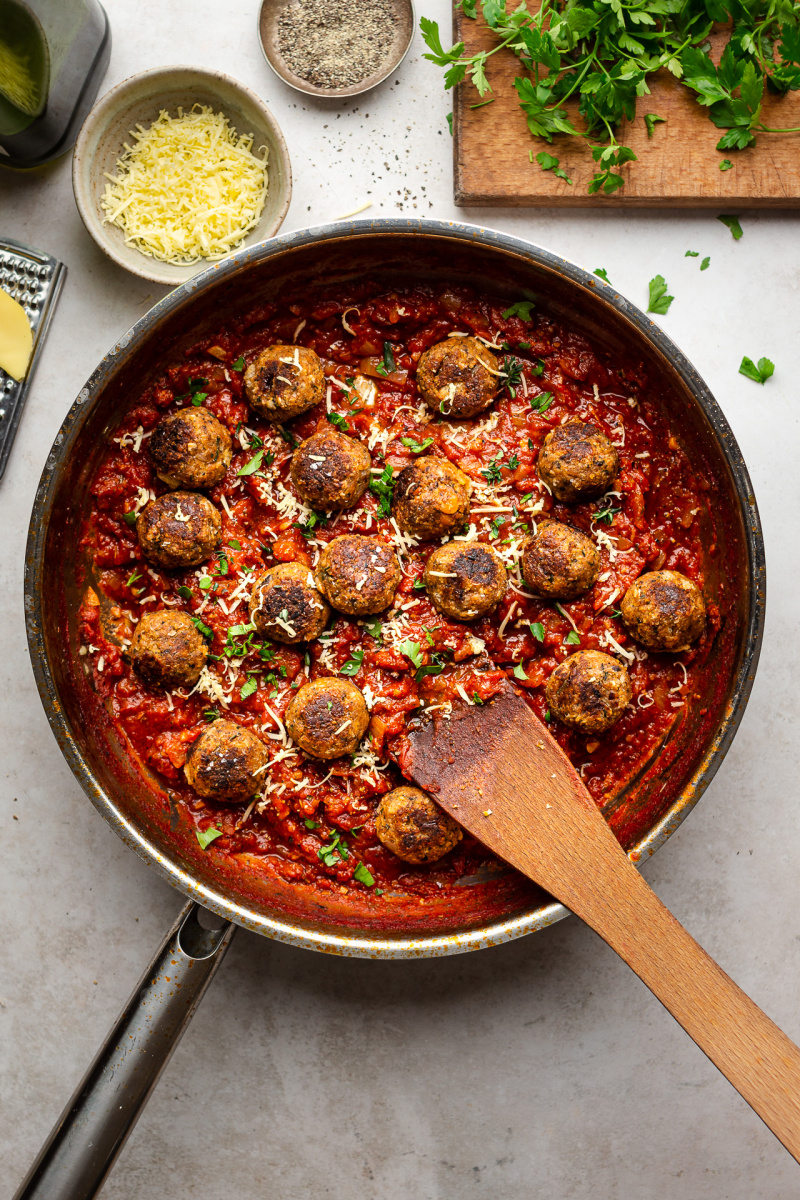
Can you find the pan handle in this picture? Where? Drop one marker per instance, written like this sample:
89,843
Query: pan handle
94,1126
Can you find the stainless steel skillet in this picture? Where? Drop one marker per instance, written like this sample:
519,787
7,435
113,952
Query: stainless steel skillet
643,814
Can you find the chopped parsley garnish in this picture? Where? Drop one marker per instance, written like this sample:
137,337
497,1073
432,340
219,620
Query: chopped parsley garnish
522,308
383,487
375,630
601,271
307,529
414,446
309,824
363,875
205,583
733,225
412,650
572,639
234,544
606,514
538,368
725,165
659,301
287,436
548,162
519,672
537,629
252,465
223,565
353,664
513,373
334,852
705,264
760,372
651,120
692,254
338,420
206,836
249,687
185,593
202,628
239,364
130,517
542,402
387,367
492,473
434,667
476,698
449,118
547,716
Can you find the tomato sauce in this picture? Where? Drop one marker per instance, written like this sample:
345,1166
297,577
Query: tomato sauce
314,822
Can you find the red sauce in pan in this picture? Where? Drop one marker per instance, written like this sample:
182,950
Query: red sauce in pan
314,821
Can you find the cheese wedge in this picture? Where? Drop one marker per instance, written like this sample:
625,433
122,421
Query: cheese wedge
16,338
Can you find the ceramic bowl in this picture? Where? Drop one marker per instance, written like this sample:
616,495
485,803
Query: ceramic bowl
138,101
401,43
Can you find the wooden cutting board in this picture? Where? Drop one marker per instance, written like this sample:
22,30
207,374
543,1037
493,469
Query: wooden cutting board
677,167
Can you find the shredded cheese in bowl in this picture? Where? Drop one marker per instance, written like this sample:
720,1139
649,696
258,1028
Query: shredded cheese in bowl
189,188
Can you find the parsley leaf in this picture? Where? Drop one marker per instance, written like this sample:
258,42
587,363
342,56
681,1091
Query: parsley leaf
363,875
522,308
201,628
414,446
239,364
249,687
338,420
601,271
206,836
353,664
651,120
549,162
725,165
542,402
759,372
733,225
448,117
252,465
692,254
572,639
537,629
411,650
129,518
519,672
383,487
659,300
705,264
185,593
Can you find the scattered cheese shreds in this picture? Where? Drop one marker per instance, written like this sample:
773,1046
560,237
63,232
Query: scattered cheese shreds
188,188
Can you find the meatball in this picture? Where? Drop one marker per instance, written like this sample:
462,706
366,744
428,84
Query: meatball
559,562
327,718
190,447
414,827
359,575
431,497
458,377
331,470
664,611
465,579
286,606
577,461
589,691
284,381
167,650
180,529
225,762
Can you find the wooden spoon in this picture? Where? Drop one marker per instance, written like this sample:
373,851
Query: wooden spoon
500,774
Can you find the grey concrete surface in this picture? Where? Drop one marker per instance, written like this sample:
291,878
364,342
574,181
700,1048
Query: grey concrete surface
541,1068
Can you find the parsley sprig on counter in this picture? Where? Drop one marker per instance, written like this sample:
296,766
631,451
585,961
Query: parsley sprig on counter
601,54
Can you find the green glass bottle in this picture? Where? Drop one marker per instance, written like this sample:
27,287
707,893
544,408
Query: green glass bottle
53,56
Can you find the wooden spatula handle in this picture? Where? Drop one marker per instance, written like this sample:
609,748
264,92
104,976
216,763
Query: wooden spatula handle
750,1050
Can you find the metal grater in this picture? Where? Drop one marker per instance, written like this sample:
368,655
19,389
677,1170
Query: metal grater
34,280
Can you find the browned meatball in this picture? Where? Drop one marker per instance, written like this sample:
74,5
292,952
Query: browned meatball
284,381
458,377
465,579
167,650
577,461
431,497
327,718
589,691
226,762
190,447
664,611
331,470
559,562
286,606
180,529
359,575
414,827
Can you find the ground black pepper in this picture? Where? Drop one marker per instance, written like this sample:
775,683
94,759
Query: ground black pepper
336,43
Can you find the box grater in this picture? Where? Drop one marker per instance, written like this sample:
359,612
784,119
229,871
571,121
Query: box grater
34,280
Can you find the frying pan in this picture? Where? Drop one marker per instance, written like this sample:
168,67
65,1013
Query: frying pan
489,908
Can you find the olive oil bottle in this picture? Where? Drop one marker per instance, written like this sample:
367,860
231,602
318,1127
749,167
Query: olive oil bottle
53,56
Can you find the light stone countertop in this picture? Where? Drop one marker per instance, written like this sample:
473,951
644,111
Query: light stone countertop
542,1067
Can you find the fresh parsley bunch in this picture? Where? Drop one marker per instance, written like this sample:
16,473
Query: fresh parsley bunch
601,52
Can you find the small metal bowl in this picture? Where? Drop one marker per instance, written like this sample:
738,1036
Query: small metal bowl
138,101
268,36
